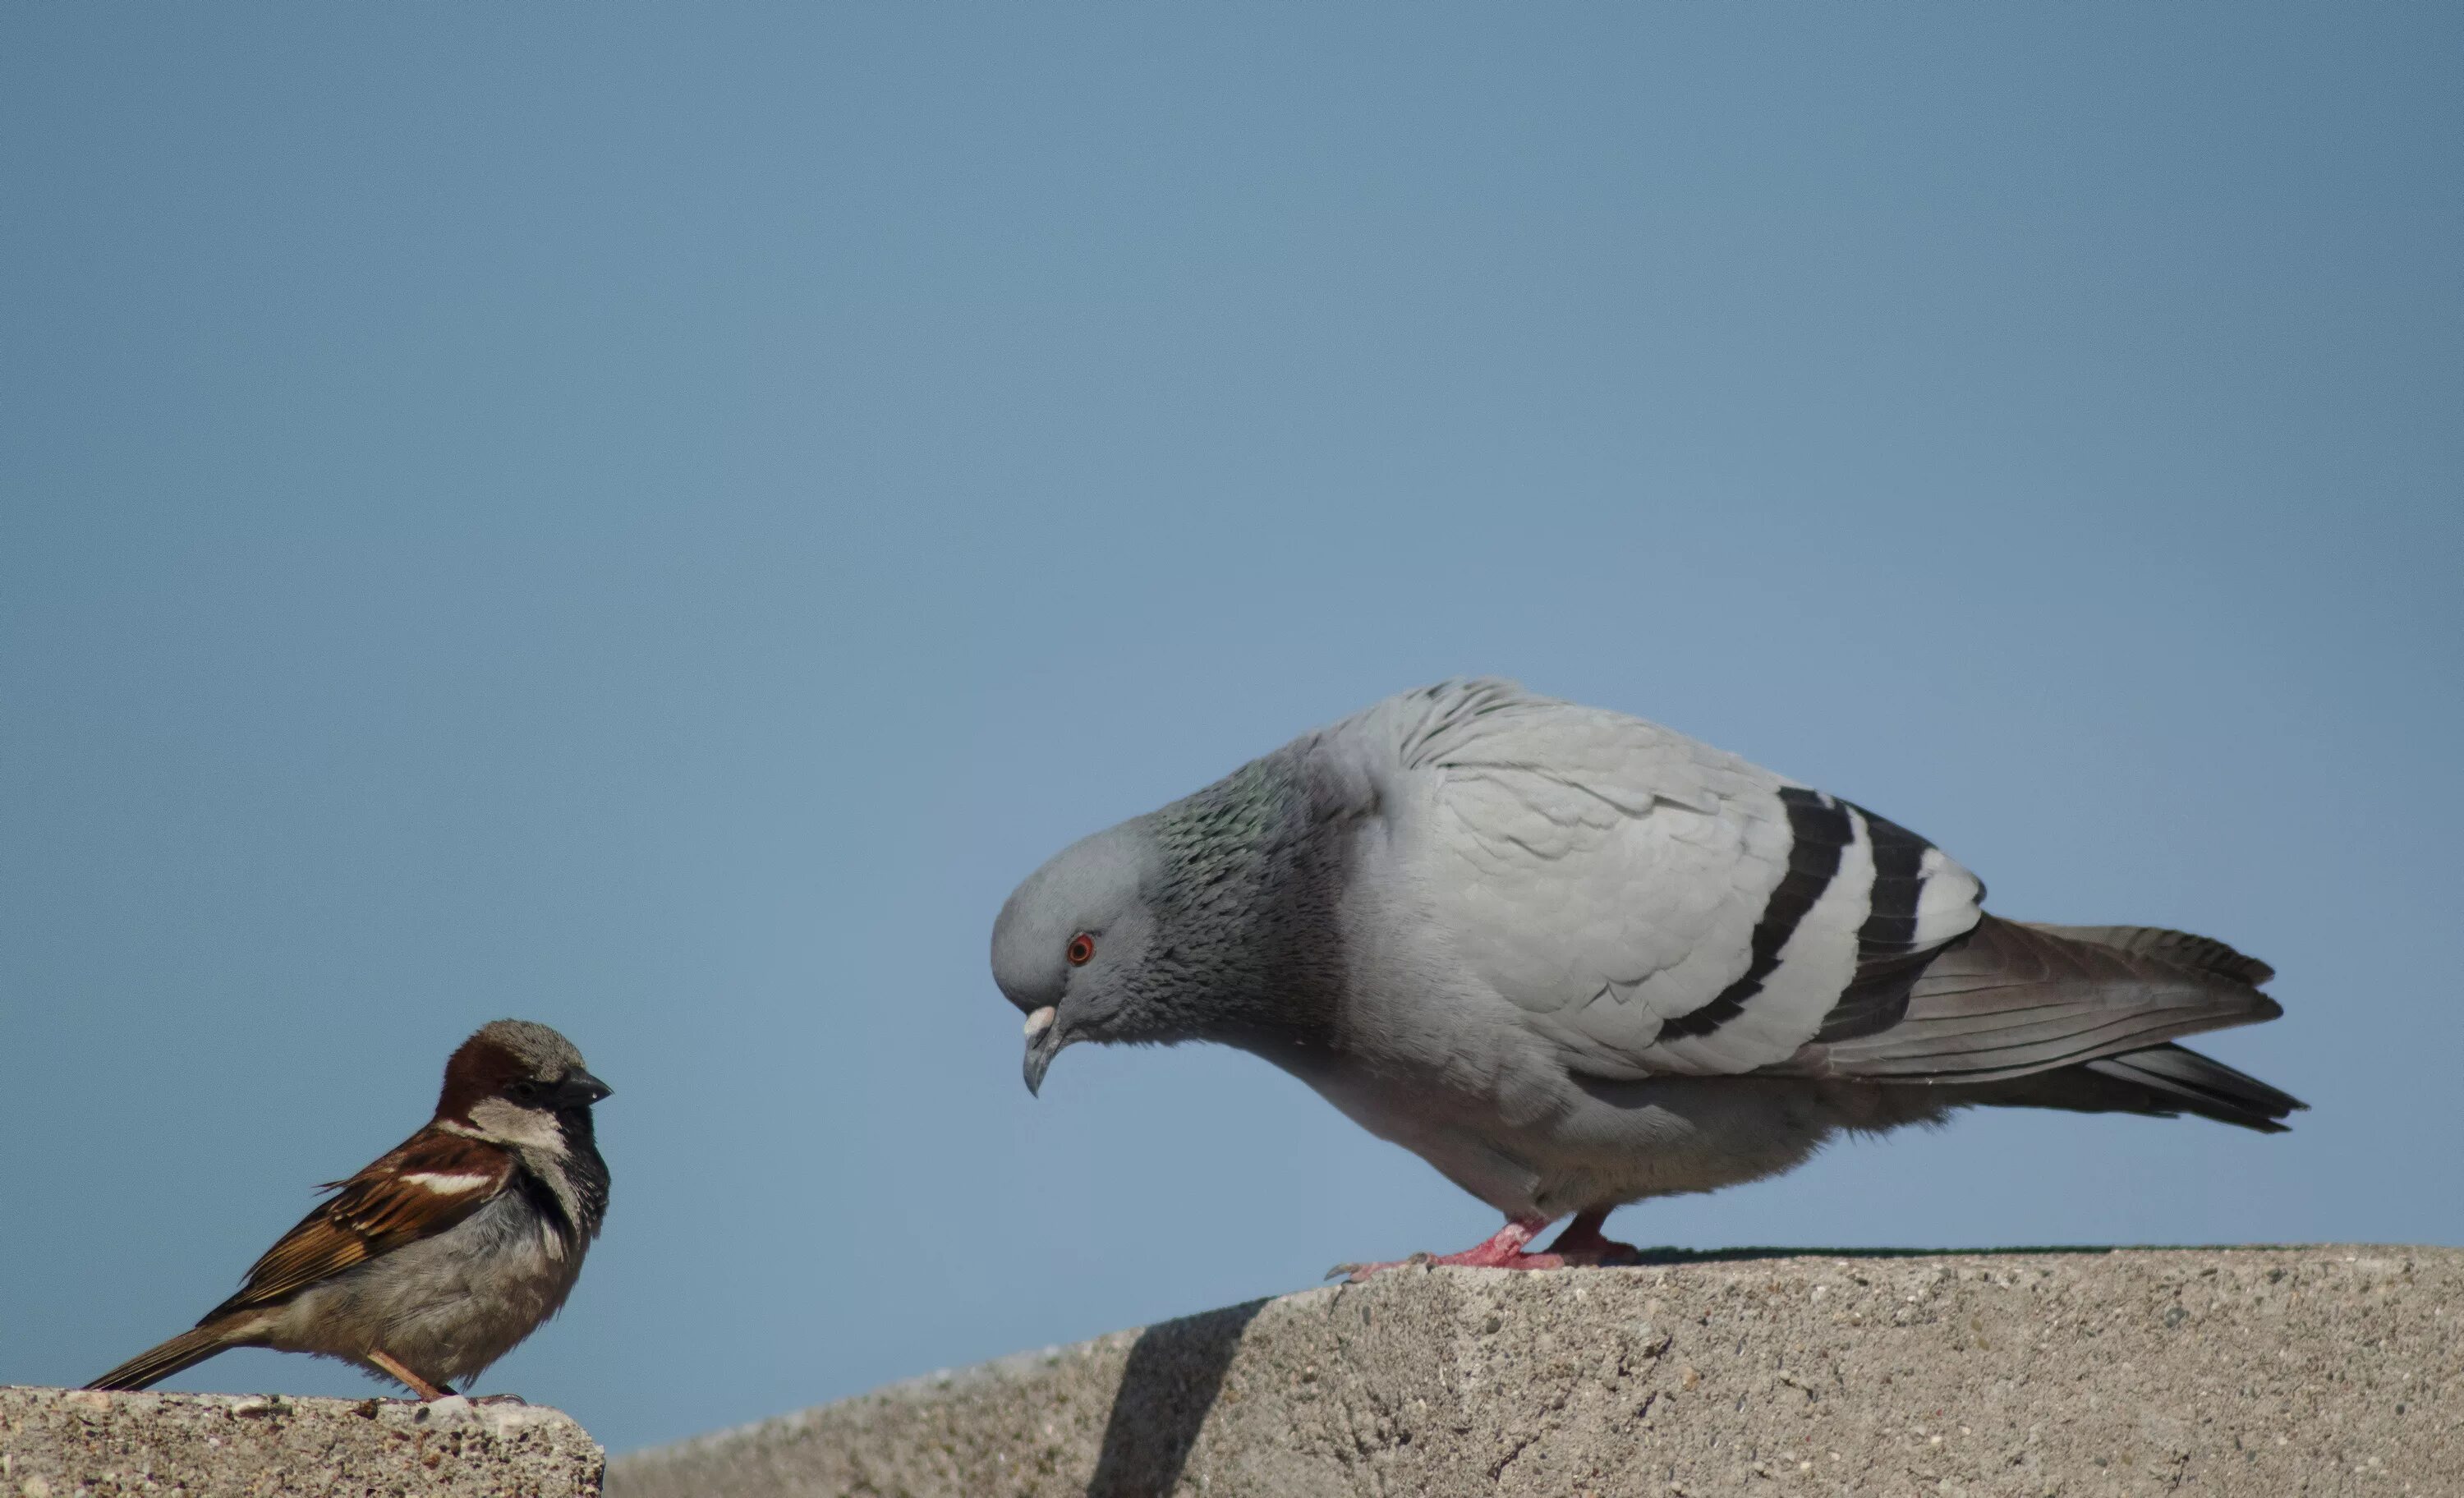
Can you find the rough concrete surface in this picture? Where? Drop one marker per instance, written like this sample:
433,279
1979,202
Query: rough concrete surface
59,1443
2315,1370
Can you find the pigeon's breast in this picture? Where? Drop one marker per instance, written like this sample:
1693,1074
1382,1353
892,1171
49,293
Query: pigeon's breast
1428,1053
1420,1051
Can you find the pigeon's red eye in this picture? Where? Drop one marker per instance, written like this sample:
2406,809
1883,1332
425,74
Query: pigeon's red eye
1081,950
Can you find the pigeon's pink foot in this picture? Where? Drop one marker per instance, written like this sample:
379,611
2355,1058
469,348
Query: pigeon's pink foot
1501,1251
1581,1242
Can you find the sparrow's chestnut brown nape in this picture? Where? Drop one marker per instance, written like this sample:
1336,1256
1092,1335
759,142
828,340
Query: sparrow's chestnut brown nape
1081,950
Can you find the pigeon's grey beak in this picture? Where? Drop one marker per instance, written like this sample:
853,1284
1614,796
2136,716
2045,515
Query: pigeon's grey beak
1043,1044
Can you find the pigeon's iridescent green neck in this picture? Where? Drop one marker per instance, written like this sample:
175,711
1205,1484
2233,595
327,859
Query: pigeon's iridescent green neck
1247,911
1226,830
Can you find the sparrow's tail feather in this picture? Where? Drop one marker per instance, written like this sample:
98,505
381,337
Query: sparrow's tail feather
188,1349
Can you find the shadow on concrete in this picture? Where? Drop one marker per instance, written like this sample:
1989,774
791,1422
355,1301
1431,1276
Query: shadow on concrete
1168,1387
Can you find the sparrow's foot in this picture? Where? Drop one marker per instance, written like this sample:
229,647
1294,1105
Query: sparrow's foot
393,1367
1582,1244
1501,1251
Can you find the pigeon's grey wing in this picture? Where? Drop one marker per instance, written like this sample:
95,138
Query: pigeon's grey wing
1652,904
2016,998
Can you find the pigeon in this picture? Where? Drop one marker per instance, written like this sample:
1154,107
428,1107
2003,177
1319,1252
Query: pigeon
1574,959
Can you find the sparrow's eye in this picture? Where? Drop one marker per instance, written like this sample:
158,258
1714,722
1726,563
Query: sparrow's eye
526,1091
1081,950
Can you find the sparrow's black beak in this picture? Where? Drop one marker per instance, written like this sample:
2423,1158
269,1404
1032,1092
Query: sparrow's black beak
1043,1044
579,1090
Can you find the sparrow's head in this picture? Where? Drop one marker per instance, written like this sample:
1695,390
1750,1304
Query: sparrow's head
519,1084
1071,946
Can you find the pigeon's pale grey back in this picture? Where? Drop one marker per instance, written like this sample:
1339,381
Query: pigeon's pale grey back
1655,905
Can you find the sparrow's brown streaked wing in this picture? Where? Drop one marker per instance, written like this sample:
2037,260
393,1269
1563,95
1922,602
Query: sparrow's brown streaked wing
431,1181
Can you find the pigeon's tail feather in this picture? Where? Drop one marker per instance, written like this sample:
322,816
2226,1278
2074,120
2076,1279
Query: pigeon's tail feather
2180,948
2014,1000
2204,1086
154,1364
2162,1081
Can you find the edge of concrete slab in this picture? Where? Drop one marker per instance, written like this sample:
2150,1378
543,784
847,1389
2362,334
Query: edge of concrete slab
55,1442
2083,1371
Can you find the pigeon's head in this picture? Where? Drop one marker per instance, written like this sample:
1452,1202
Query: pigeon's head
1072,941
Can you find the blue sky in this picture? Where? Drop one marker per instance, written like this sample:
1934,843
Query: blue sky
654,521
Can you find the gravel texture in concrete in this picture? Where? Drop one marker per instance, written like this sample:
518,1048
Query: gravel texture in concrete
61,1442
2252,1371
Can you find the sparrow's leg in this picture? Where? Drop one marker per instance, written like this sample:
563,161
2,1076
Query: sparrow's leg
1504,1250
1581,1242
406,1378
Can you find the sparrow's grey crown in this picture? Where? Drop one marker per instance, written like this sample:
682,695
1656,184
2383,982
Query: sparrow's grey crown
547,1054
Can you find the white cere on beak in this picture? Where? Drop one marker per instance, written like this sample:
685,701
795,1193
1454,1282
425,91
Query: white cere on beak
1041,1021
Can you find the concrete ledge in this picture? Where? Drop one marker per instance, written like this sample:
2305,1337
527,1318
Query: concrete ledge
2190,1370
58,1443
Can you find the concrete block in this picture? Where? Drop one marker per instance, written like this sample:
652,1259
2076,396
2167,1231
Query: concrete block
2243,1372
62,1442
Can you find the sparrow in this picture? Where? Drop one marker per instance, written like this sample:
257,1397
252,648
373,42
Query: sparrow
443,1255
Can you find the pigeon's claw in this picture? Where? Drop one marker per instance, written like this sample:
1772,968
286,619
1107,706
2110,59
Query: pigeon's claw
1582,1244
1503,1250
